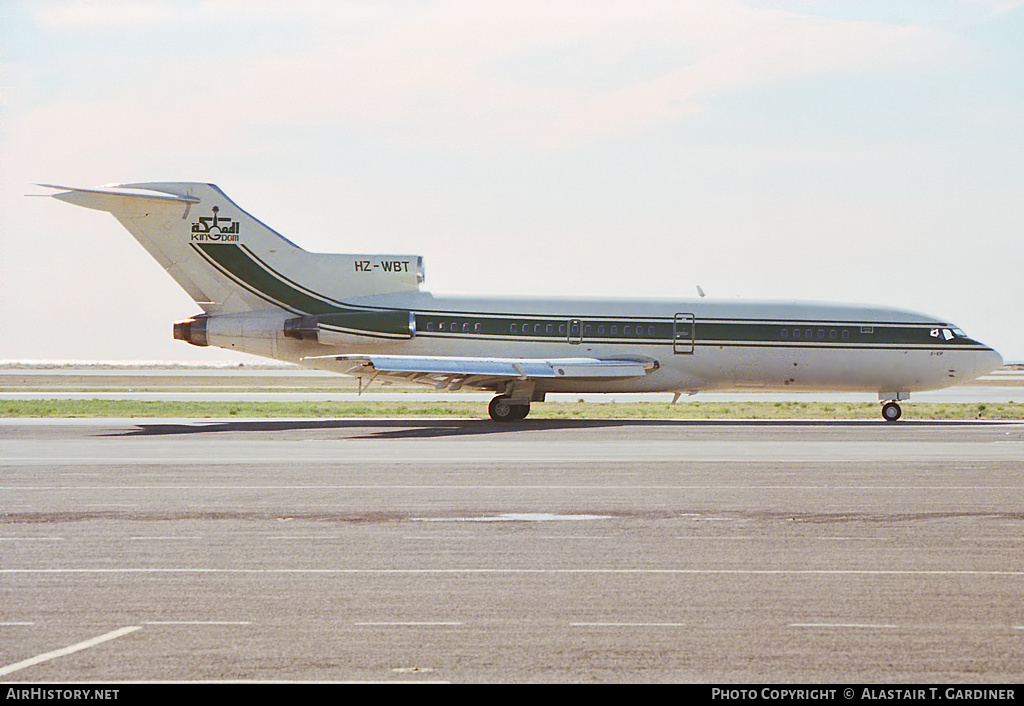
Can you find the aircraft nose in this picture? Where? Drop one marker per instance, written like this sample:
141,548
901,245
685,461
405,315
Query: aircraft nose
987,361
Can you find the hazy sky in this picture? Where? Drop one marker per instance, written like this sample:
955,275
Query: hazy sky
868,151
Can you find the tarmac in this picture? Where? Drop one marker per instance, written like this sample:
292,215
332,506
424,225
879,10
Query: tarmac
537,551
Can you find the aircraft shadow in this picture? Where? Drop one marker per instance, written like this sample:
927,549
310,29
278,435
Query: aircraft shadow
371,428
432,428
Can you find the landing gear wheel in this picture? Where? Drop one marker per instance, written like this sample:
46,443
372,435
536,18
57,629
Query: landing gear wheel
501,410
891,411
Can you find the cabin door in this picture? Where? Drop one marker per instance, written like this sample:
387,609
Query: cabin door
682,334
575,331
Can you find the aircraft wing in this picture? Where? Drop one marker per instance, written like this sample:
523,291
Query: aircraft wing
487,373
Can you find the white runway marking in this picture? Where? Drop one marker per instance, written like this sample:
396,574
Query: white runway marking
197,622
628,625
513,517
485,571
574,537
68,650
409,624
762,538
841,625
165,539
720,539
440,538
503,488
304,538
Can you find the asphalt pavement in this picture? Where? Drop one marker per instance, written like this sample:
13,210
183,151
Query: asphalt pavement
538,551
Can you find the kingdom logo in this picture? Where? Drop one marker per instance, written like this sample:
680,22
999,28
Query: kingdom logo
215,228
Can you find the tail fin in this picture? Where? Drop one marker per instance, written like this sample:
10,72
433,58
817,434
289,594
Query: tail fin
230,262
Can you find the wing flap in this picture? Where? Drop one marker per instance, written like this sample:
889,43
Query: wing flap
485,373
523,368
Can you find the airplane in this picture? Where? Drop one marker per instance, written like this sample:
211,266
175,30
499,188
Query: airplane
366,316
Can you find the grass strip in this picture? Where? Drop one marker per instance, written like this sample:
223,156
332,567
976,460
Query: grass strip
547,410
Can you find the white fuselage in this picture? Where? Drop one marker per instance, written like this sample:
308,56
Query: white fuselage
698,345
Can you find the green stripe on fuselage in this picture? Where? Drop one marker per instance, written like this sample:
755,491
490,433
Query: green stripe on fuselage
257,278
262,280
708,332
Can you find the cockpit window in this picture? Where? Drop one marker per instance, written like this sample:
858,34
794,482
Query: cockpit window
947,334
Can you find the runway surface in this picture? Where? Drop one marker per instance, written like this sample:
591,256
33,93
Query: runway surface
539,551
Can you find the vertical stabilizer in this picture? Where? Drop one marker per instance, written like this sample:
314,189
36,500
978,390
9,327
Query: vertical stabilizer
230,262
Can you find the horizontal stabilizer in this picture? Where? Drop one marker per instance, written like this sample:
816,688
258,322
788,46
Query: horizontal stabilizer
114,198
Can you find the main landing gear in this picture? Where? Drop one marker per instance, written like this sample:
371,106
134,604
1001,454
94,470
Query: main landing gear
502,409
891,411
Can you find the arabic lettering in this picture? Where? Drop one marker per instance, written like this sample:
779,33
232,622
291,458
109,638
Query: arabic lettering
215,227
